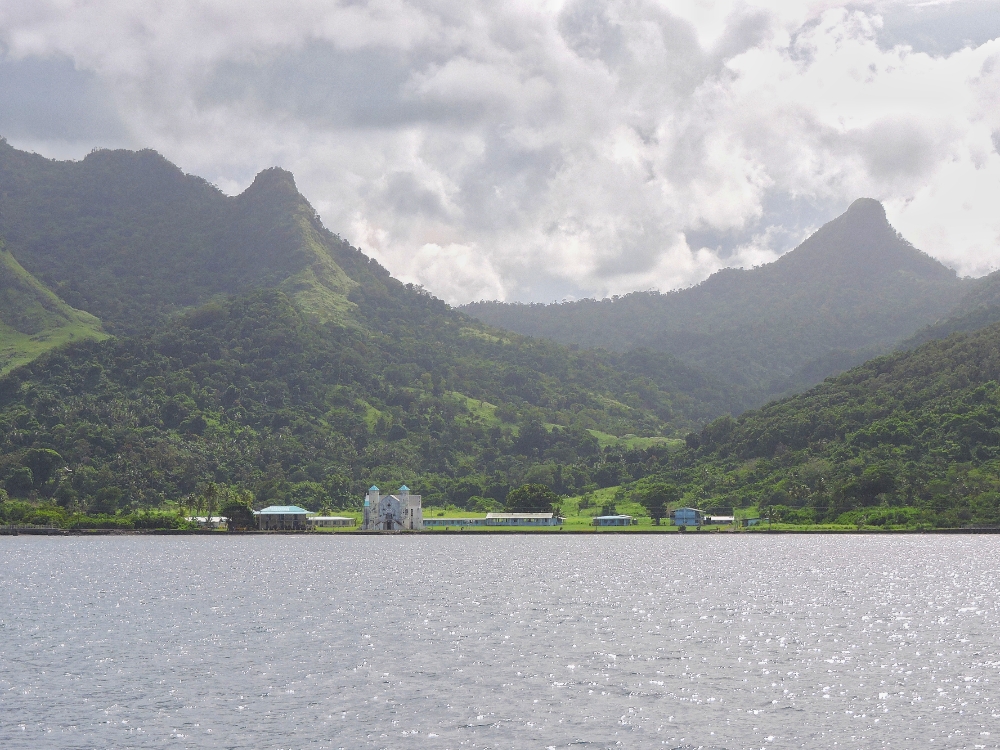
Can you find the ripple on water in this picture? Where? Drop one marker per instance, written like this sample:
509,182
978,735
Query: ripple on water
503,642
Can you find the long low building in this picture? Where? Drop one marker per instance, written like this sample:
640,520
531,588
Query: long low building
498,519
446,522
687,517
327,522
523,519
208,522
613,521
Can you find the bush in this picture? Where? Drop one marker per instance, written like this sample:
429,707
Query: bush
160,521
239,514
102,521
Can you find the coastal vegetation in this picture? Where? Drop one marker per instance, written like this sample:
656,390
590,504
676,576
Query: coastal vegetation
172,351
908,439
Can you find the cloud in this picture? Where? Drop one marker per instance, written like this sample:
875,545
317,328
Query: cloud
538,151
49,100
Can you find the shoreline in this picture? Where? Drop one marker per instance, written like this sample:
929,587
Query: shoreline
491,532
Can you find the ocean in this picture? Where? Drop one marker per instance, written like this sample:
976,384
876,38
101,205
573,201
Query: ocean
521,641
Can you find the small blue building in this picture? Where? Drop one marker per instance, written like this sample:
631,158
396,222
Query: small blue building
687,517
612,521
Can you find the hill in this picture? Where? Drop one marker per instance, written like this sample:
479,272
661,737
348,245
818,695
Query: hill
977,309
129,238
913,437
850,291
253,395
256,350
33,319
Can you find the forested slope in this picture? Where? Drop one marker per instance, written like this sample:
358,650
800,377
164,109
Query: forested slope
853,289
979,308
910,436
260,352
251,394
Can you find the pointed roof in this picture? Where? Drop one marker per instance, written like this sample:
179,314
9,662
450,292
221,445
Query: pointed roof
404,488
373,488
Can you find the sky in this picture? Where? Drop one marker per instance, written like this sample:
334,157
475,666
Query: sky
542,151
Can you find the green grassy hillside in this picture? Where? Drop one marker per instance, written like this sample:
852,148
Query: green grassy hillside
851,290
33,319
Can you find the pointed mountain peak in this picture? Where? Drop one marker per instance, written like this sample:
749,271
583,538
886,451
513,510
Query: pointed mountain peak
274,188
860,246
274,178
867,208
273,183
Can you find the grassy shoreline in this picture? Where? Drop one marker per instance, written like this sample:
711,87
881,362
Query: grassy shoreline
471,531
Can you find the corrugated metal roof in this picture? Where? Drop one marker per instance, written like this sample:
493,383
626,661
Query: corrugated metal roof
609,518
518,515
282,509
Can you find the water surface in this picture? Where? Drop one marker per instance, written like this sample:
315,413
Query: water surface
499,642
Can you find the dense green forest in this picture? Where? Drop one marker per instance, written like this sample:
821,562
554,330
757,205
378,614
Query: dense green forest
906,439
249,394
256,356
849,292
131,239
259,353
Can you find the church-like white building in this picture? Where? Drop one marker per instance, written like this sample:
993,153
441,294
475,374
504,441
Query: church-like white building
399,512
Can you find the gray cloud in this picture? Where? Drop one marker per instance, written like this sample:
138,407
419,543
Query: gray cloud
939,28
529,153
49,99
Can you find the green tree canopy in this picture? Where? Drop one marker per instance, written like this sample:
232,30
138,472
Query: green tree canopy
656,497
239,515
531,498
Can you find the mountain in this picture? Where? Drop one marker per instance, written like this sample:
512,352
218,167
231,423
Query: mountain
255,349
33,319
850,291
912,437
977,309
129,238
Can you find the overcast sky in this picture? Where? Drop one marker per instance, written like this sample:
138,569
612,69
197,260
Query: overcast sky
542,150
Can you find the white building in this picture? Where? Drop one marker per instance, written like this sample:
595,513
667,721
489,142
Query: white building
397,512
326,522
523,519
207,522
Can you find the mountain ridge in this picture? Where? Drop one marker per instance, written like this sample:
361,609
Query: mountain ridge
854,285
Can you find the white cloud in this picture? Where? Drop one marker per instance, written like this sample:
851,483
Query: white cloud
545,150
